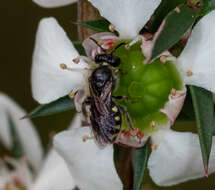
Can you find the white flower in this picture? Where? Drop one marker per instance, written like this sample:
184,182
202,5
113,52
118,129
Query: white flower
93,168
33,149
53,3
51,173
49,82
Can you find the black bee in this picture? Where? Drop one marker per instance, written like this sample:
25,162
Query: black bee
104,114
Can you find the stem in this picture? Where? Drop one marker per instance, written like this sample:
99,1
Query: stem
86,12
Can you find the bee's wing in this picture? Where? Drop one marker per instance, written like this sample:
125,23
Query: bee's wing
103,127
98,132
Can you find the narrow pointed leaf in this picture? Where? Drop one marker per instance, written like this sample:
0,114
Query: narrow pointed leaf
174,26
100,25
123,164
140,165
164,8
187,112
17,147
208,5
204,114
60,105
78,45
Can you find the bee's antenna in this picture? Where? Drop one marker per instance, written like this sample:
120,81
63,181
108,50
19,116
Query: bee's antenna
104,50
119,45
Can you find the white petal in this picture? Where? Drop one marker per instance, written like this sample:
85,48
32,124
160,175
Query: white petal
54,175
25,129
92,168
178,158
53,47
53,3
198,55
128,16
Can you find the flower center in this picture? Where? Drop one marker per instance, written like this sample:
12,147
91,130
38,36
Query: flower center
146,87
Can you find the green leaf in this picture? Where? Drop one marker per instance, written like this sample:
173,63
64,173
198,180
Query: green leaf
208,6
100,25
123,164
78,45
164,8
140,165
204,113
173,28
17,148
60,105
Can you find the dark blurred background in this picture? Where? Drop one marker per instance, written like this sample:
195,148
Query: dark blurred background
19,20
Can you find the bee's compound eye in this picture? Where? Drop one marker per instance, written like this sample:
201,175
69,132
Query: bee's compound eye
115,61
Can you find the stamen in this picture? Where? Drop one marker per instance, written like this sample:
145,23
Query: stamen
76,60
152,124
189,73
71,95
163,59
100,41
85,138
111,27
173,92
177,95
63,66
135,40
127,47
177,10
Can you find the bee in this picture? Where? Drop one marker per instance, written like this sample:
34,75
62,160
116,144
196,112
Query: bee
105,115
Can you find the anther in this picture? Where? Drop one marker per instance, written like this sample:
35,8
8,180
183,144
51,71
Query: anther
111,27
100,41
71,95
152,124
177,10
163,59
63,66
127,47
189,73
85,138
76,60
173,92
177,95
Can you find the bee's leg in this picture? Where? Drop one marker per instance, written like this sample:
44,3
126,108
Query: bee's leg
125,98
121,98
128,119
120,71
87,137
